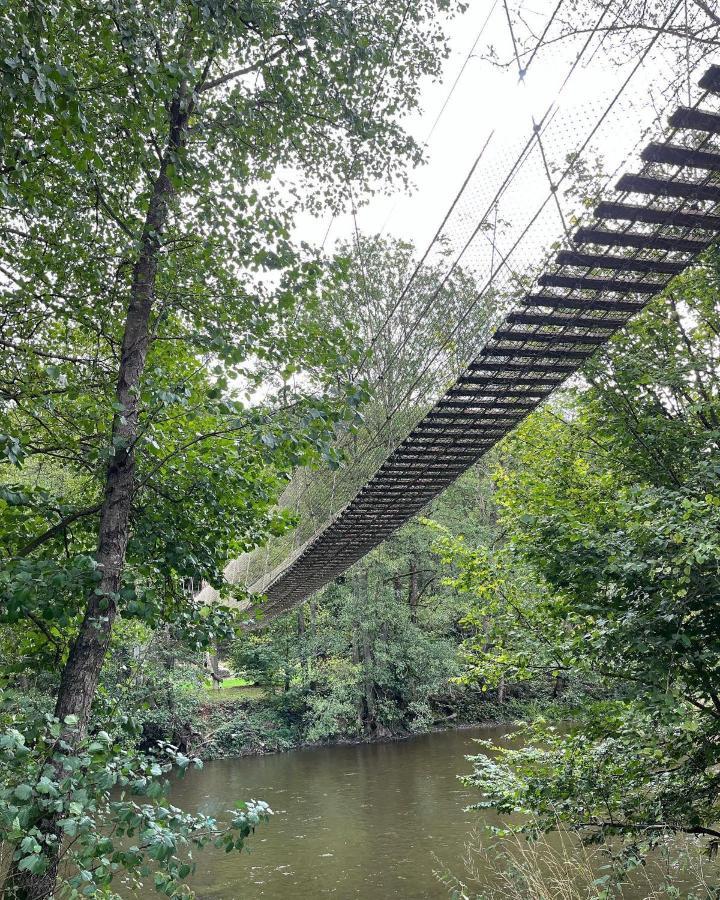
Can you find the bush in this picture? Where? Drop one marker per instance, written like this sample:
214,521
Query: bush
241,727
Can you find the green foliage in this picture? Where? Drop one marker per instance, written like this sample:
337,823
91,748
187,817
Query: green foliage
376,669
165,366
266,658
96,784
610,506
238,728
515,627
374,654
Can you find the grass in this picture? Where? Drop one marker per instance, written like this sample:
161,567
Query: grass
560,867
236,682
235,689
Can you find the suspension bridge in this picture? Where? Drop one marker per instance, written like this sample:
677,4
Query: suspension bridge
653,224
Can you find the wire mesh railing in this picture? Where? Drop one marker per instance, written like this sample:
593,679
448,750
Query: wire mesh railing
490,366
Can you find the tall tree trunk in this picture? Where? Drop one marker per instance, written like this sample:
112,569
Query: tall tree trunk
413,592
80,676
314,650
368,662
301,628
365,657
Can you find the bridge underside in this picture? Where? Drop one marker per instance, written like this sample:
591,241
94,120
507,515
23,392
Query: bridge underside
661,218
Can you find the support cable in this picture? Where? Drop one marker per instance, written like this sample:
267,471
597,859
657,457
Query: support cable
517,164
519,161
504,260
564,175
446,102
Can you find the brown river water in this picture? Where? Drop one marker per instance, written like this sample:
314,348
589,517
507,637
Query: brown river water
369,821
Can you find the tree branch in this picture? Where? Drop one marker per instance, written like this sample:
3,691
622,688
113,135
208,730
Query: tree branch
238,73
56,529
708,10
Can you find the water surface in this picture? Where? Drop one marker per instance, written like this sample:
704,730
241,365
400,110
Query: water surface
364,821
371,821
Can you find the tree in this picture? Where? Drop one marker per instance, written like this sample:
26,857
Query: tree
514,627
375,653
611,499
150,287
405,311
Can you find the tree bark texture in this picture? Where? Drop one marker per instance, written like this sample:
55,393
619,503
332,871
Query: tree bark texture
81,674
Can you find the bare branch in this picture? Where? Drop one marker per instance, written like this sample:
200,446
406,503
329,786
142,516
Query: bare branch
238,73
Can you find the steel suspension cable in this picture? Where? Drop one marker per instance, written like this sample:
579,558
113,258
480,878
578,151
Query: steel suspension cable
504,261
544,121
372,440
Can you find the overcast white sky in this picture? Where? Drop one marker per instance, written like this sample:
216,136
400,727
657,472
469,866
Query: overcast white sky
488,98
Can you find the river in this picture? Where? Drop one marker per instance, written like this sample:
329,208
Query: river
368,820
371,821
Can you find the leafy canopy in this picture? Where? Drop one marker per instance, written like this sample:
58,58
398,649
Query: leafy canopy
610,506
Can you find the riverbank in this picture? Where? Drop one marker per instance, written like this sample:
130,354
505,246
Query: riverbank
253,723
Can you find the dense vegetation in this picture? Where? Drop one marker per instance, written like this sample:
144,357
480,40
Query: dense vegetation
149,288
609,573
171,357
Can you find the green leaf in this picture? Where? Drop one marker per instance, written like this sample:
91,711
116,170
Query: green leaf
23,792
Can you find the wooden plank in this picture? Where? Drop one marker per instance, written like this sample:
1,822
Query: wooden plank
376,489
519,367
442,441
454,454
473,396
480,404
599,304
522,367
544,338
695,119
605,238
459,417
431,480
528,394
459,428
420,467
488,433
662,187
619,263
564,321
422,471
514,380
534,353
711,80
675,155
420,454
616,285
670,217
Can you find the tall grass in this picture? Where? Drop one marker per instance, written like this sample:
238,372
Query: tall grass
558,866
